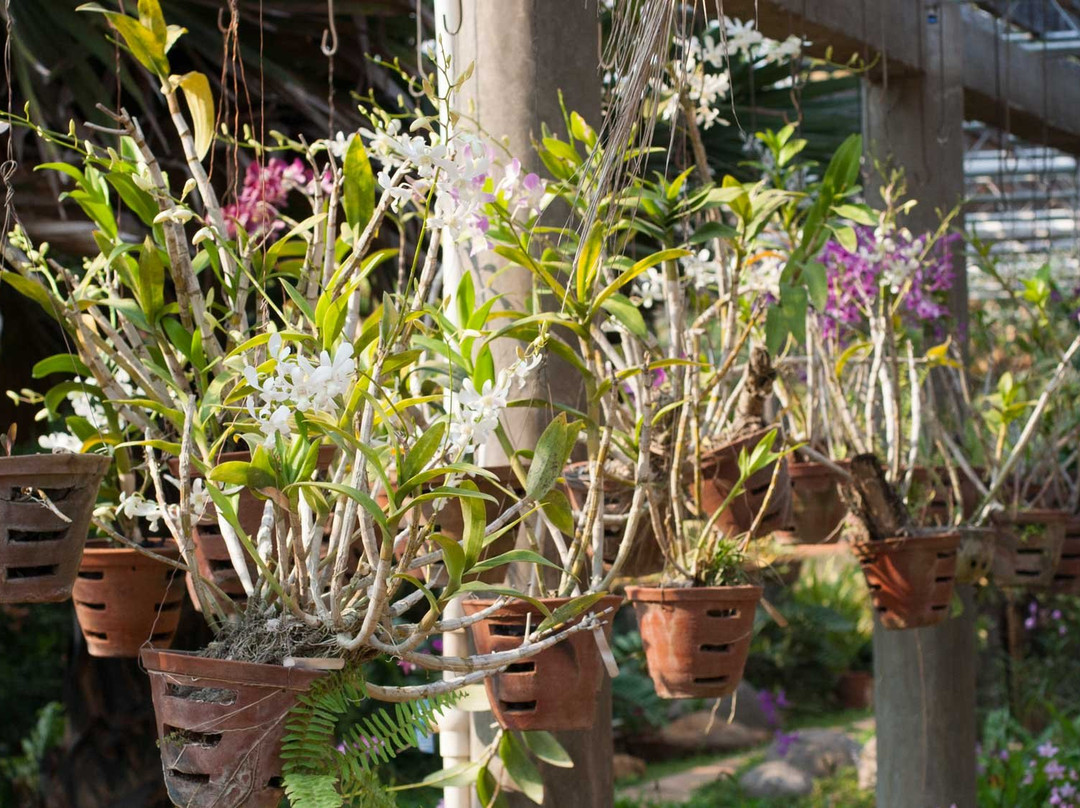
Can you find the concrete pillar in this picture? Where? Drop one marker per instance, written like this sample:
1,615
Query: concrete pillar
524,52
924,679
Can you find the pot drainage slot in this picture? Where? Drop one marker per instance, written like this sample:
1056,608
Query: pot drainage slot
943,579
277,781
29,536
875,587
949,554
161,635
186,737
939,607
91,575
1028,550
1029,573
710,680
521,667
209,695
168,607
97,635
16,573
189,777
34,494
759,490
518,706
716,649
722,612
97,607
508,629
221,565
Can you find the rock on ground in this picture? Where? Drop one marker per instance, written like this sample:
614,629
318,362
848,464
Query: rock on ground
817,752
626,767
776,778
692,733
868,766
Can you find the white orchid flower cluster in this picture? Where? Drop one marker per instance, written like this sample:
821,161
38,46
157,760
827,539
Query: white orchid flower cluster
136,506
297,384
701,68
466,175
474,414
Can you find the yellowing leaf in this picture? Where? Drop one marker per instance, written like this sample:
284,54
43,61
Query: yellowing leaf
200,101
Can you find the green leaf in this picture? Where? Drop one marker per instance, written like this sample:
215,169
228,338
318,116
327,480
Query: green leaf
816,278
641,266
552,451
31,289
453,560
474,522
588,262
712,230
860,214
569,610
557,508
423,450
359,187
786,318
200,100
521,770
514,556
846,236
487,790
233,472
60,363
151,291
620,307
547,748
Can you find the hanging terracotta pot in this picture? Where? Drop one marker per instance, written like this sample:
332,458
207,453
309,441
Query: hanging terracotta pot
123,599
817,511
1029,548
40,549
211,552
975,555
646,557
696,639
855,690
554,690
1067,577
911,579
720,473
220,725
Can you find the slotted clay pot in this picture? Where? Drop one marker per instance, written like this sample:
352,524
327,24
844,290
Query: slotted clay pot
1067,577
938,501
817,511
220,725
975,555
911,579
696,640
720,473
40,550
1029,548
124,599
554,690
211,553
645,556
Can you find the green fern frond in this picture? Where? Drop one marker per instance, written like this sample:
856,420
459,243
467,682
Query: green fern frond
318,771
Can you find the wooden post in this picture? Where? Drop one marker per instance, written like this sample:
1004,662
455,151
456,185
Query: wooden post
924,690
525,52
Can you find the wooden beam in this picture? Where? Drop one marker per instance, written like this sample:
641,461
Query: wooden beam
1033,94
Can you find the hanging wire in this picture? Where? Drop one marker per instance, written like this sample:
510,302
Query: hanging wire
329,35
329,49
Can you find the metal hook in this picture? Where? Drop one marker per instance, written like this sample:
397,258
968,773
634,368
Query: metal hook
460,14
331,49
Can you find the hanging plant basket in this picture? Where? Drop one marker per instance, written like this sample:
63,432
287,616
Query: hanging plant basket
554,690
696,639
40,550
1067,577
720,473
817,511
211,552
124,599
645,557
911,579
939,502
220,725
975,555
1029,548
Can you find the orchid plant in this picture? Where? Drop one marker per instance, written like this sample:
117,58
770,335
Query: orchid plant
240,323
